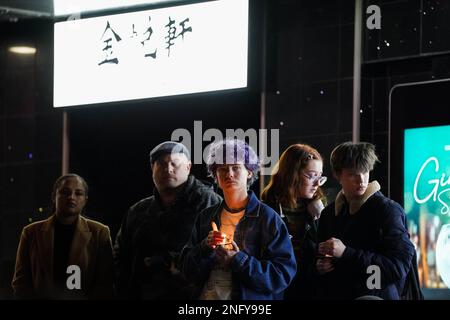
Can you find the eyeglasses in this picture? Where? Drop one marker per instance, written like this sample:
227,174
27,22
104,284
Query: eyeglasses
316,179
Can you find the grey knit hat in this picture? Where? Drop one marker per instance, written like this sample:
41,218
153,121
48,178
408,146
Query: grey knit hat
168,147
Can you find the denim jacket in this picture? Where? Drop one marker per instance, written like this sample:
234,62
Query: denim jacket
265,265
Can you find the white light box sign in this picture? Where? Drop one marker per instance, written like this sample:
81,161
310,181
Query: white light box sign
162,52
63,7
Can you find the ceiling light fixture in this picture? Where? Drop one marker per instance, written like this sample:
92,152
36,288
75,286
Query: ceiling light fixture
22,50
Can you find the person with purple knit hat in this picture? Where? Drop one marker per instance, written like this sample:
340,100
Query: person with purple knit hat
240,248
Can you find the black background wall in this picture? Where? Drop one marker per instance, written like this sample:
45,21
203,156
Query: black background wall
413,48
30,136
310,84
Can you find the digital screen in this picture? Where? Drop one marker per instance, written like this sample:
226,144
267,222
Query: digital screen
427,201
154,53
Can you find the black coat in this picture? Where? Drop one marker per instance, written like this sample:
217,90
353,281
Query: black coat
150,240
303,230
374,235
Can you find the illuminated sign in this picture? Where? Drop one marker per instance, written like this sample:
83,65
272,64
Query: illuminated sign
427,201
154,53
434,193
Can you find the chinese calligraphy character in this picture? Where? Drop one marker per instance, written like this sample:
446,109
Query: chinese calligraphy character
173,30
109,57
133,32
182,23
150,32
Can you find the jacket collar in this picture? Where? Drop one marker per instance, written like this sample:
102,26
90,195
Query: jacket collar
355,205
81,238
252,210
253,205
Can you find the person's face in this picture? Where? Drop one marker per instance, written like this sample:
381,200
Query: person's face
232,177
353,182
170,170
310,179
70,198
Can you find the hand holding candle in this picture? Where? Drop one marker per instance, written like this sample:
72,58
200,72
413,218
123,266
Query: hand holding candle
215,237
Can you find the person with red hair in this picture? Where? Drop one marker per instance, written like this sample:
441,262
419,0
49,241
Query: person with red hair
294,191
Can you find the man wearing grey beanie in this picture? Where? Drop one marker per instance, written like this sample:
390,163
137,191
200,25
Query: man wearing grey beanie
155,229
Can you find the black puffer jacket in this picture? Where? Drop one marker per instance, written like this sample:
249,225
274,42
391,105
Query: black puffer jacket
150,240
